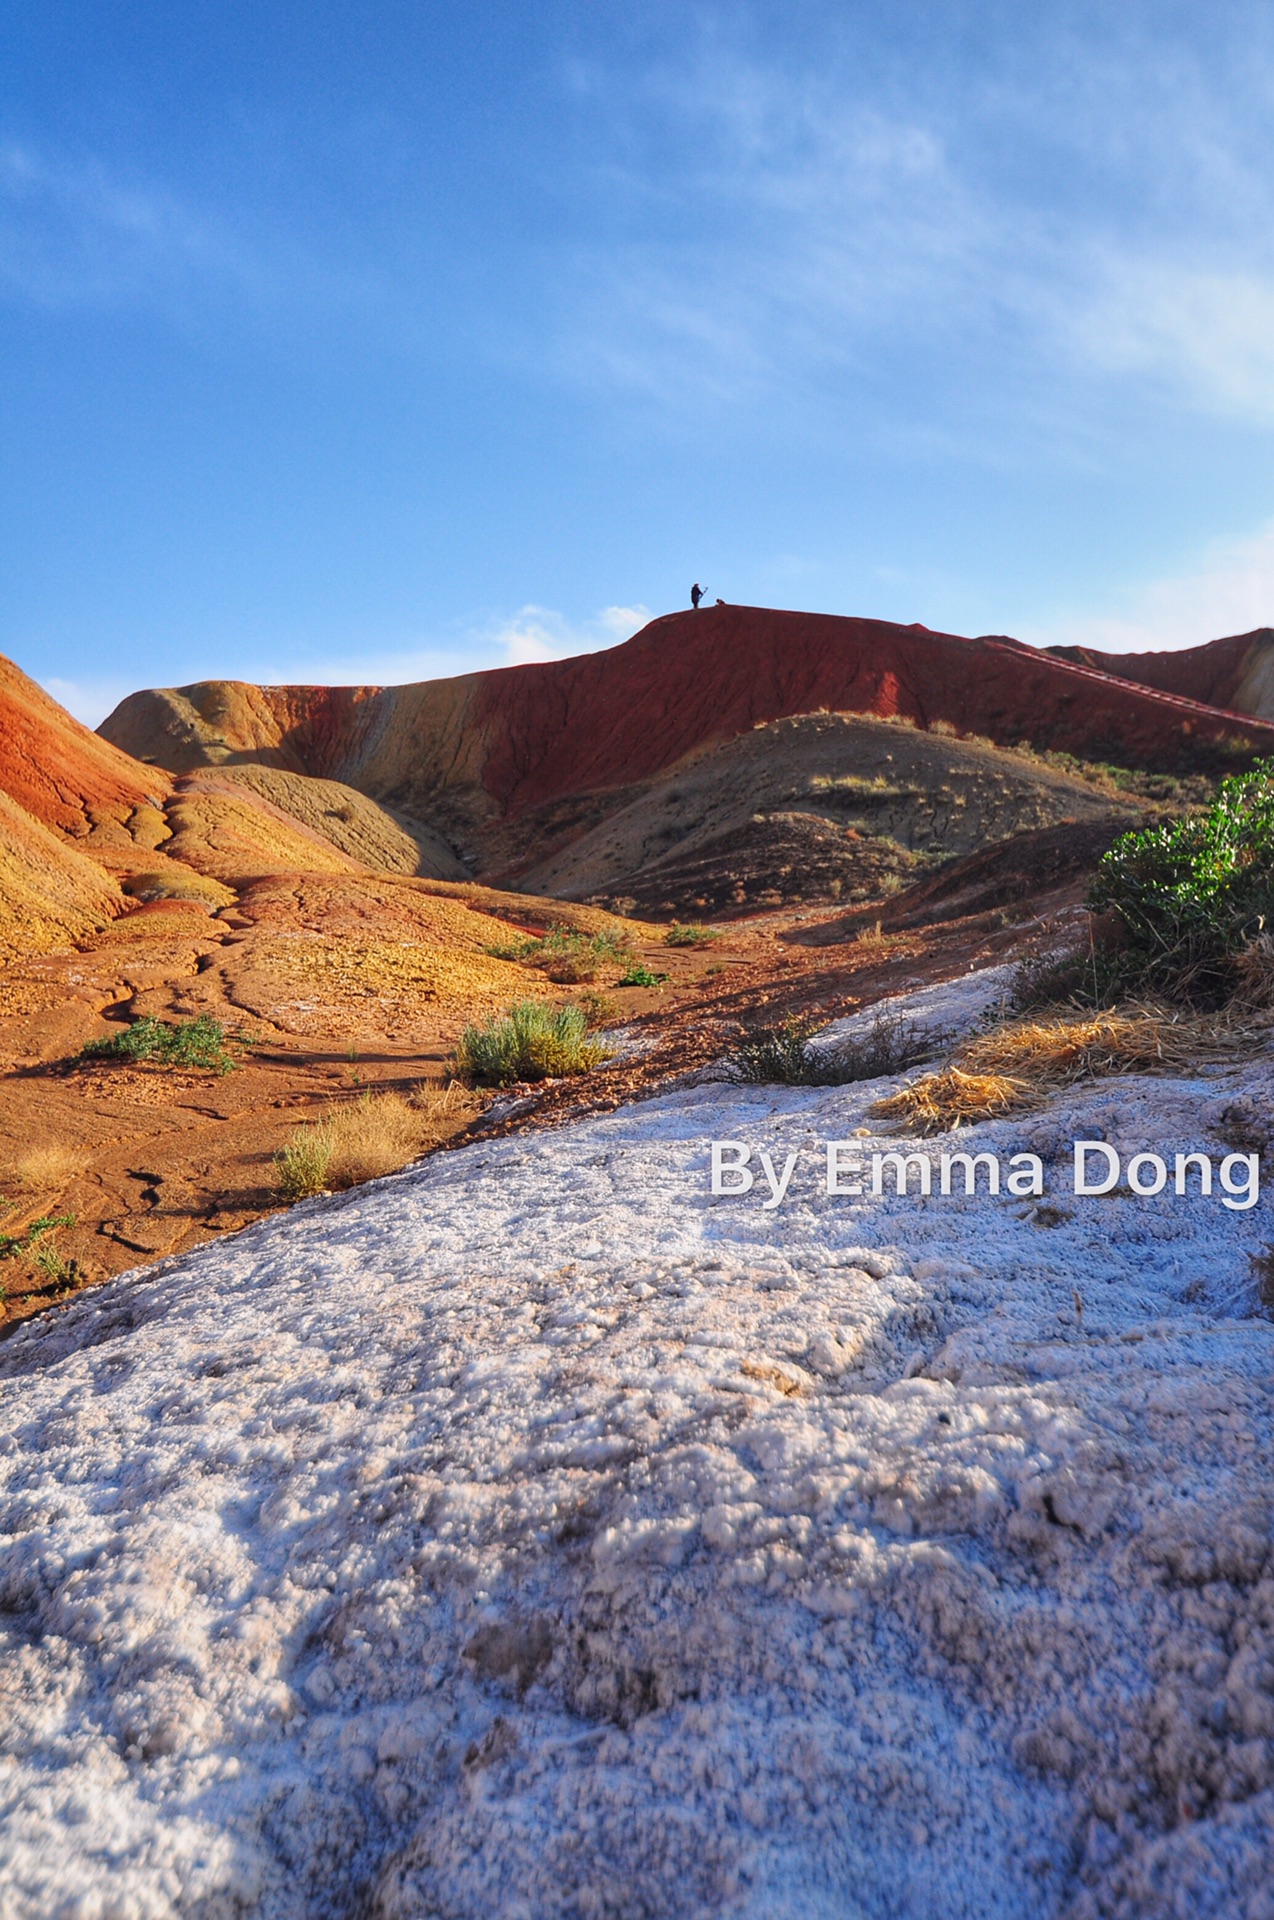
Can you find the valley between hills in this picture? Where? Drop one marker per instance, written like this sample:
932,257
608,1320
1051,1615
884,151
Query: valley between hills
430,1486
332,874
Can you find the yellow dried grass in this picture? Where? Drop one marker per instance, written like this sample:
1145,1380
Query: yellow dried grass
48,1169
954,1098
1014,1067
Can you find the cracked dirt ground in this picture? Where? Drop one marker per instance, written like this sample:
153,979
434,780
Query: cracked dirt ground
332,1002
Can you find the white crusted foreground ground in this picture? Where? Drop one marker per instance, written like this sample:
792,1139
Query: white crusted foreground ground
533,1535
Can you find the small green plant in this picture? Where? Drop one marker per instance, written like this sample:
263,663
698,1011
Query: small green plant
1191,894
201,1042
301,1169
640,975
690,933
25,1243
530,1041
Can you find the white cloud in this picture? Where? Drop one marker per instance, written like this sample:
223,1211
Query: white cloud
1231,590
1206,332
89,700
531,634
537,633
1083,210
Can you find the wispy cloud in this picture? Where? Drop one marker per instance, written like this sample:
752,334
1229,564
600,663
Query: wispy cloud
519,639
1230,590
537,633
1103,211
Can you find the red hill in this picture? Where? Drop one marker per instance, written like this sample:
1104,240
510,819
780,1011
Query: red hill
64,775
519,737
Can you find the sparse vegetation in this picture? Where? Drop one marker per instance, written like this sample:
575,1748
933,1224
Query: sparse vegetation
201,1042
173,884
598,1009
787,1054
364,1140
568,957
34,1245
872,945
530,1041
375,1135
47,1169
691,933
303,1166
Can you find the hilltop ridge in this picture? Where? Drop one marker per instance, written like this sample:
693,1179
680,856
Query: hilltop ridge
528,734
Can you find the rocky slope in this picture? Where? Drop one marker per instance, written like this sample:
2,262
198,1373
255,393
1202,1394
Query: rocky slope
882,1556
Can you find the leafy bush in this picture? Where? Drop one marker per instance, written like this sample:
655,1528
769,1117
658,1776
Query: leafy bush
690,933
531,1041
1189,895
786,1053
189,1043
640,975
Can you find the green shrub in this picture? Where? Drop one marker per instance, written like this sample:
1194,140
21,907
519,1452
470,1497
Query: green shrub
1189,895
690,933
567,956
530,1041
14,1245
640,975
189,1043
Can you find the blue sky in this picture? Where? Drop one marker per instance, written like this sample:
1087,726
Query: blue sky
380,341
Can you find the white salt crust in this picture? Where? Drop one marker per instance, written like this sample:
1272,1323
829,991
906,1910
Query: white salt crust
533,1535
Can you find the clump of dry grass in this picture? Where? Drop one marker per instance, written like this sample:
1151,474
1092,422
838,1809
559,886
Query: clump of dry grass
1014,1067
872,944
376,1135
954,1098
1084,1045
371,1137
47,1169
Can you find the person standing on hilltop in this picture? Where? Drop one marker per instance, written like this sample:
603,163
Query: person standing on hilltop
696,595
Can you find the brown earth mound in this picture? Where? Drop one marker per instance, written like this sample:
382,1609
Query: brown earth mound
821,807
1237,673
347,819
465,753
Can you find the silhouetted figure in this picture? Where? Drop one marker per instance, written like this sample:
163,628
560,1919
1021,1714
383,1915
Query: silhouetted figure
696,595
